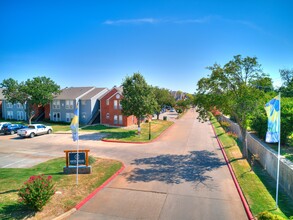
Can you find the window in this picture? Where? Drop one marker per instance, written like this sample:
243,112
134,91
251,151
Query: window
107,116
69,104
115,119
120,119
69,117
120,105
56,104
20,115
18,105
115,104
56,116
9,105
107,102
83,102
83,115
9,115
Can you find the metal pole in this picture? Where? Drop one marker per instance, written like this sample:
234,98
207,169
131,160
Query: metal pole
77,152
150,134
279,147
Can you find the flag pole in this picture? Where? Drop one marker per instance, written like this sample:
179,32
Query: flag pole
77,143
279,147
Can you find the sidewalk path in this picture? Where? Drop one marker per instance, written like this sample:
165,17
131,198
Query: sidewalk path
181,176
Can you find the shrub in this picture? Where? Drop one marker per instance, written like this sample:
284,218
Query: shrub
233,135
268,216
37,191
225,125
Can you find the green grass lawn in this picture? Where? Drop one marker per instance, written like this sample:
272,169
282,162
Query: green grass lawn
130,134
13,178
257,186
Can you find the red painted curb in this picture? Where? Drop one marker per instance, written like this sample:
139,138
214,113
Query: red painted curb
244,202
145,142
79,205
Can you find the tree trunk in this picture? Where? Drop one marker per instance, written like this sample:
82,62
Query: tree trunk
244,142
158,116
138,126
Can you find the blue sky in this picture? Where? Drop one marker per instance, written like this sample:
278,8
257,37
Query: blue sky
98,43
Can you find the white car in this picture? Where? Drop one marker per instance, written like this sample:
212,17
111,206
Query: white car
34,129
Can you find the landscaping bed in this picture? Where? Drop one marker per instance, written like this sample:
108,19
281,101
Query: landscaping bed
68,193
257,186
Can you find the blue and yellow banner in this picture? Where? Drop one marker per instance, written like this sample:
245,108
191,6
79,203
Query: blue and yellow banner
74,124
273,112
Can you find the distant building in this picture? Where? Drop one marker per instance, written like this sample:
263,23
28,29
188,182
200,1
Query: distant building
111,109
63,105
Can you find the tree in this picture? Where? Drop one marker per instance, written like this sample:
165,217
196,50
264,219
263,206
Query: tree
38,91
287,86
138,98
163,98
232,90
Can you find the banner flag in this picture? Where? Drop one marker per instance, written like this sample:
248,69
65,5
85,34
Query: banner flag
273,112
74,124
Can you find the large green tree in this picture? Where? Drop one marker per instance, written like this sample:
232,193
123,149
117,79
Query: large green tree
232,89
138,97
287,86
163,98
37,91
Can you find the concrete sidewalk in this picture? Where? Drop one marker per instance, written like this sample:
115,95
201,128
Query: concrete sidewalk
181,176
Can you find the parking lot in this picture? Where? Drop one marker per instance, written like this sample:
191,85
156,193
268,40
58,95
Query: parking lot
16,152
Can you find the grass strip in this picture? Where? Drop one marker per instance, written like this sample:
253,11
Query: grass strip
257,186
130,134
69,194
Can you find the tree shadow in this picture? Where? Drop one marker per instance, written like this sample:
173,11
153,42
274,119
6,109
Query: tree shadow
9,191
175,169
16,211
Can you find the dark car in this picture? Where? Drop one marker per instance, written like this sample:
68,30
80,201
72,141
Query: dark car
11,128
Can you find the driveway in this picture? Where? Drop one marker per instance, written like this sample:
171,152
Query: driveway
180,176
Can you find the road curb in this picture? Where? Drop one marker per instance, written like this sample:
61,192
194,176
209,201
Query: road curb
79,205
145,142
242,197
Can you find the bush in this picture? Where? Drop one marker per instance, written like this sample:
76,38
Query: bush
268,216
225,125
165,118
37,191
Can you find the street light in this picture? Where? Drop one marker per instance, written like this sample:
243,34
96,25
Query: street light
150,134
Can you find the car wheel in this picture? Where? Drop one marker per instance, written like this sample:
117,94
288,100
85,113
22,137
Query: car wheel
32,135
11,132
49,131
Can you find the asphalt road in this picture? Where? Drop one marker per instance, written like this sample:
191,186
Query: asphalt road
180,176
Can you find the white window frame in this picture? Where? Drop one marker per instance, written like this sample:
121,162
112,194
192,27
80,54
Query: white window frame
19,105
115,104
107,102
9,105
69,117
121,119
115,119
83,102
56,118
56,104
108,116
69,104
20,115
9,115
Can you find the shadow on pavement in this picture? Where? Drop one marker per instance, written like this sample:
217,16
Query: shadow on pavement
174,169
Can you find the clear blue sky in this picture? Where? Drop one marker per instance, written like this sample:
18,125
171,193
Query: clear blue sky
98,43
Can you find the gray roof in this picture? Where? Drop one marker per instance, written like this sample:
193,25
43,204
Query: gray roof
73,92
1,94
92,93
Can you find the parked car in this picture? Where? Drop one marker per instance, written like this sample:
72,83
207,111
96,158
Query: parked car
35,129
3,123
11,128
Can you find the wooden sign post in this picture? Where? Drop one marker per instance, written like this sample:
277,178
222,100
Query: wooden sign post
73,158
